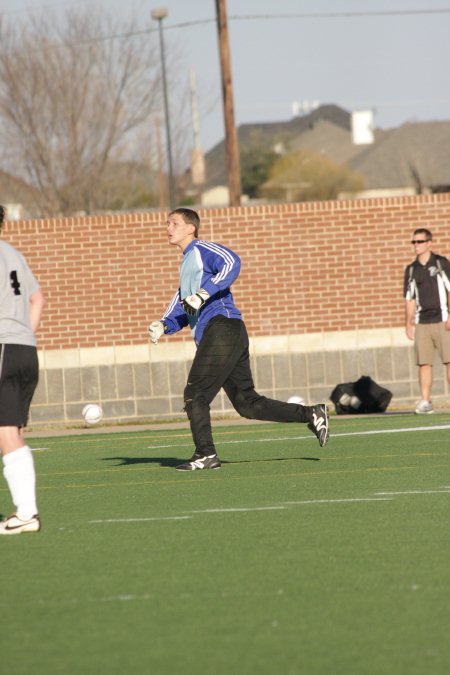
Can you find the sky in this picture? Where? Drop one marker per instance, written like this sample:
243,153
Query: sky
289,51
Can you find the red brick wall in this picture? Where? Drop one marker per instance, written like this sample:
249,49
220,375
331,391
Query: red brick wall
341,267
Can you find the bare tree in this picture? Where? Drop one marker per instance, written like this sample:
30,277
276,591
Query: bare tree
74,104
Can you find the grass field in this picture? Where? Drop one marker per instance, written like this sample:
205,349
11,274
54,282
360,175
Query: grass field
290,560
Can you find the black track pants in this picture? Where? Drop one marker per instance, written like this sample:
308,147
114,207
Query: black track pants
222,360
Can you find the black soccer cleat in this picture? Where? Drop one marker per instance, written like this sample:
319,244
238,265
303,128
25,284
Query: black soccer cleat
198,461
319,423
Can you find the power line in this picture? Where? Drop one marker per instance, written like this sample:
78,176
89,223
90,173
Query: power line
313,15
252,17
339,15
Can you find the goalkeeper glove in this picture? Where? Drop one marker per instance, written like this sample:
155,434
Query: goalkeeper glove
193,303
155,330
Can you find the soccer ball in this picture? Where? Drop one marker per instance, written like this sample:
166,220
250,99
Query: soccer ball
350,401
355,402
345,399
299,400
92,413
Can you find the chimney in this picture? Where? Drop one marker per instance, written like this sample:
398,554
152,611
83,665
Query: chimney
362,127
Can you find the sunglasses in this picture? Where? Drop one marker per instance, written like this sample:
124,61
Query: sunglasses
419,241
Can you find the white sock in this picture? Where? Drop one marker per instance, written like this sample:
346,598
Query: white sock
21,478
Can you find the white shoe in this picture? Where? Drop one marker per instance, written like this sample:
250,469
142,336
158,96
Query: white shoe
15,525
424,408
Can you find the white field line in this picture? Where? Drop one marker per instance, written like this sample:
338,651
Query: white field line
296,438
134,597
377,497
341,501
444,490
140,520
439,427
241,509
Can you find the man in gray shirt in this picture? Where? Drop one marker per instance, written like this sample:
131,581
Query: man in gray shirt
21,304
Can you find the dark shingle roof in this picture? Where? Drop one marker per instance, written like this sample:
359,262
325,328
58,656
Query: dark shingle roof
325,138
268,135
417,154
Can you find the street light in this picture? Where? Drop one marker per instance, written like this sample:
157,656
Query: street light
159,14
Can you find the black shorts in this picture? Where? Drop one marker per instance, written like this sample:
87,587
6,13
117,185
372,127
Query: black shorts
19,375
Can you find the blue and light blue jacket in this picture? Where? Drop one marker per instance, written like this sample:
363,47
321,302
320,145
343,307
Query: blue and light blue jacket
212,267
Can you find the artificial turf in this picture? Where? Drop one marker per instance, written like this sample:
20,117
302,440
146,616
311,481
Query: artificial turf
291,559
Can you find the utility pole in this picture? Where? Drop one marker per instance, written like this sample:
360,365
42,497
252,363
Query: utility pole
161,179
197,157
231,144
159,14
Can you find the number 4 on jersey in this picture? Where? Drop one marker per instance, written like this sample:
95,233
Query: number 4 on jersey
15,284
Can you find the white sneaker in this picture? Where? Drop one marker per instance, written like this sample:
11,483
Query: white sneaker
15,525
424,408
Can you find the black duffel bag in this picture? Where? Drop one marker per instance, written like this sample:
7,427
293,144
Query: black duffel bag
362,396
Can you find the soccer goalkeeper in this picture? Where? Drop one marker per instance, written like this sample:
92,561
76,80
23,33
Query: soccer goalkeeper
205,303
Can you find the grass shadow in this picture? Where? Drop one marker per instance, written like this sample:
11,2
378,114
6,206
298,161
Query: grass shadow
174,461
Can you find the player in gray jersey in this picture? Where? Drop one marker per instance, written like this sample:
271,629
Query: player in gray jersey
21,304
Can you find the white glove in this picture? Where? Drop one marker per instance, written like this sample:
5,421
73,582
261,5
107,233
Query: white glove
155,330
193,303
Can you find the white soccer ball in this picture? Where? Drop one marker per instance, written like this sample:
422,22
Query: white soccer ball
92,413
355,402
299,400
345,399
